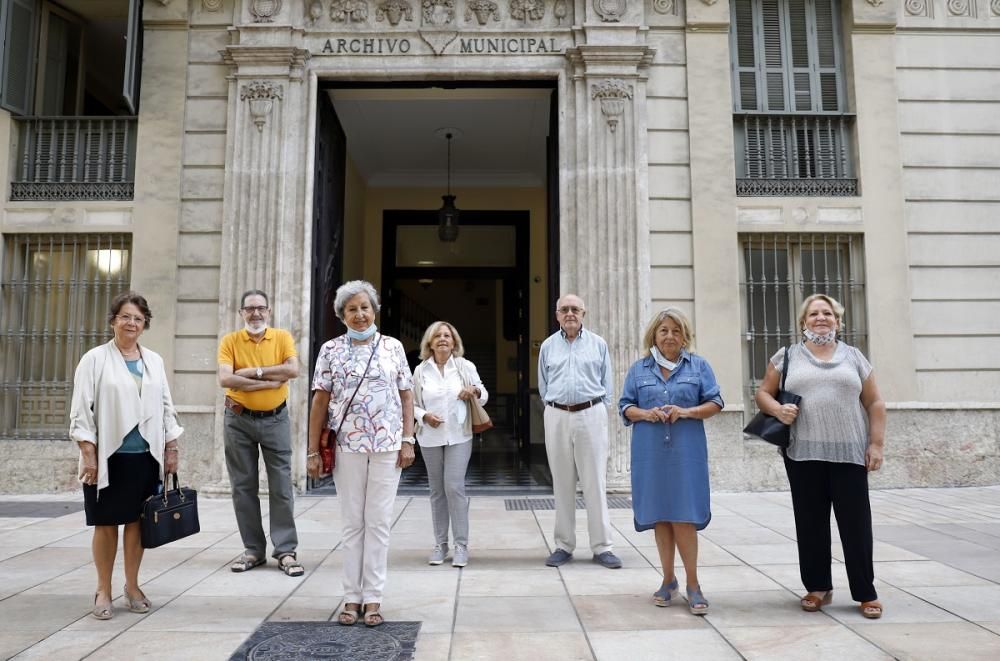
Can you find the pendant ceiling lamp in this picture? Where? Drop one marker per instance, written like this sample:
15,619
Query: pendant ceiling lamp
448,214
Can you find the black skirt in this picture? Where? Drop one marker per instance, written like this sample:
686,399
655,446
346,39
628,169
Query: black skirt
132,478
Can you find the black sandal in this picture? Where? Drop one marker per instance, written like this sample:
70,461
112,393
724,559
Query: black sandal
291,566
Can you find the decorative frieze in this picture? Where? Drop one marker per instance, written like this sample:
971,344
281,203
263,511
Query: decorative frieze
918,8
964,8
612,94
349,11
610,11
438,12
211,5
483,10
560,10
665,7
995,7
264,11
522,10
394,11
261,95
314,11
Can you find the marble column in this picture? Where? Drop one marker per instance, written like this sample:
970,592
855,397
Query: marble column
604,225
263,232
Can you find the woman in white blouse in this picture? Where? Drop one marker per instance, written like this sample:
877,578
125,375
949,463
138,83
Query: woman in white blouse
123,420
443,384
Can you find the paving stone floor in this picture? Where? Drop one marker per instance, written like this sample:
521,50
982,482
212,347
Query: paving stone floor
937,555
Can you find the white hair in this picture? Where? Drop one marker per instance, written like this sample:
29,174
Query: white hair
349,290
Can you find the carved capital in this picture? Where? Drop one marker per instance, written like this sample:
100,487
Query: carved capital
610,11
612,94
264,11
261,95
483,10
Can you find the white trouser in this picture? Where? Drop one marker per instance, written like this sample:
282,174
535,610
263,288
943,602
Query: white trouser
366,487
577,447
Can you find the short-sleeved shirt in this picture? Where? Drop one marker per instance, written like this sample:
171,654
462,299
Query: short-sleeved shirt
832,425
374,422
238,350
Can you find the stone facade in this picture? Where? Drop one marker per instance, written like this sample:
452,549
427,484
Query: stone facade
646,157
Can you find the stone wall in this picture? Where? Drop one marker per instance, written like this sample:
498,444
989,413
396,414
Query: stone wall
948,78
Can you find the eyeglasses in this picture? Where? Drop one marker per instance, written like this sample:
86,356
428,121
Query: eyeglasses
259,309
569,308
125,318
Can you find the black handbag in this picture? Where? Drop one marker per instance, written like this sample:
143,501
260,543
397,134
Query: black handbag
169,516
767,427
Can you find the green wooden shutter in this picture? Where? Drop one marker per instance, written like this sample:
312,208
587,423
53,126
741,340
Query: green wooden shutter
133,56
20,40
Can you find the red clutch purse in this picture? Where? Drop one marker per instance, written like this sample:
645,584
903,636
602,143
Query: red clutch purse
326,450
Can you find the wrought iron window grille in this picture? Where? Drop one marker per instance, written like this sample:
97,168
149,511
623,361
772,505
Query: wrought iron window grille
778,272
55,290
74,158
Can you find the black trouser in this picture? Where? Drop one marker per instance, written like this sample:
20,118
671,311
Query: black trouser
815,485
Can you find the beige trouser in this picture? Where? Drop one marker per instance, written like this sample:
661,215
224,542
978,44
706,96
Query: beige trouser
366,487
577,447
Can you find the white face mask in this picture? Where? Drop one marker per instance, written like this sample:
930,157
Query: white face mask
661,360
255,330
815,338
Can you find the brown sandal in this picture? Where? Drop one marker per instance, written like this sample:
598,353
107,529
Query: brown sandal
812,603
871,609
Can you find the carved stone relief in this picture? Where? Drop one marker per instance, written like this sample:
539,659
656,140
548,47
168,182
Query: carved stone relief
918,8
612,94
261,95
211,5
522,10
314,10
995,7
264,11
875,3
709,2
394,11
961,8
610,11
349,11
560,10
483,10
438,12
665,7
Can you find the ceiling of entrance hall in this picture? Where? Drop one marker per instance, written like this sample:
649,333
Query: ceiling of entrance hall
391,135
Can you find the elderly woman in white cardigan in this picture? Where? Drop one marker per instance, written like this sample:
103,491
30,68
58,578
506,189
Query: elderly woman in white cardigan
123,420
442,385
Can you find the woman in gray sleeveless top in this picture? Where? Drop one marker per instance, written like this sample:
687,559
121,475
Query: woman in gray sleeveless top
838,432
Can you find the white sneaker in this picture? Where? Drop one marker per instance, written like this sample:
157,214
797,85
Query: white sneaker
438,555
461,556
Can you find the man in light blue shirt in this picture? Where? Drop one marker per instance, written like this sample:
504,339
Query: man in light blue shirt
574,382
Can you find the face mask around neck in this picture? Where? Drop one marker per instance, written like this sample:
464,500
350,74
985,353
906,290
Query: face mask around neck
362,335
815,338
661,360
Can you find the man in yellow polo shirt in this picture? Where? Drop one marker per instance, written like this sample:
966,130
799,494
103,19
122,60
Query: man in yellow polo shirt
255,364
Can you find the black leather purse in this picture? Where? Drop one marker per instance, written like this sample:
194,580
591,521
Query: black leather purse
767,427
169,516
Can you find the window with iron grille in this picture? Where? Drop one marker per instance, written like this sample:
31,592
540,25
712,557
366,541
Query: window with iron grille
778,272
56,289
792,133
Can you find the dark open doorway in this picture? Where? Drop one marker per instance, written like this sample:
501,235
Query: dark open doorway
479,283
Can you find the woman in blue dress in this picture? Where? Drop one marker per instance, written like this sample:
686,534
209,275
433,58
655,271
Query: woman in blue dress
667,395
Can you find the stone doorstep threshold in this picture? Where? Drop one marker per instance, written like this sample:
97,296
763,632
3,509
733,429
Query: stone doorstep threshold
292,641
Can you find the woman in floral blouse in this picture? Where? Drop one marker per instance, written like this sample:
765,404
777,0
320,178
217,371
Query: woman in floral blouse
362,391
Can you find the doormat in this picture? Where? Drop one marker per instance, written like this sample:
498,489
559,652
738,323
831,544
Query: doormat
291,641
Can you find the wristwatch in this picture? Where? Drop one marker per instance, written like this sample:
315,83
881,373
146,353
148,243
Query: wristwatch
260,373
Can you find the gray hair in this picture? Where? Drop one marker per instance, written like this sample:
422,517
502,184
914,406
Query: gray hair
349,290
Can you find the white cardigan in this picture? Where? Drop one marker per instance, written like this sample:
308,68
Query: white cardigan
107,406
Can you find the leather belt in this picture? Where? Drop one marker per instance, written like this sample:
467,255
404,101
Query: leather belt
239,409
573,408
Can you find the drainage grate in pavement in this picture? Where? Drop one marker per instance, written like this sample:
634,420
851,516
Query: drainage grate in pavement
520,504
291,641
38,509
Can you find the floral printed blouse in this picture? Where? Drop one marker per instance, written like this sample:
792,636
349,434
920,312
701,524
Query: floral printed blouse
375,420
